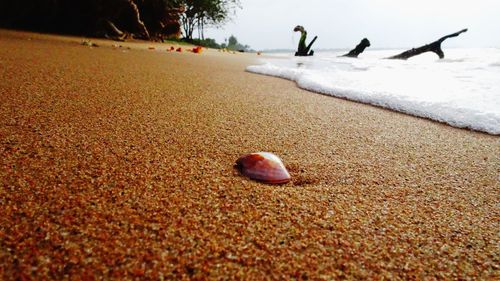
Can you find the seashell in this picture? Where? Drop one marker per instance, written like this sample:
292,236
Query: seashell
264,167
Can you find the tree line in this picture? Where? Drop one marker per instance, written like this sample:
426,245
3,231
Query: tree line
199,14
145,19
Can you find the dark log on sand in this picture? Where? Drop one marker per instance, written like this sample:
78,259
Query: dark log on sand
354,53
432,47
136,18
108,29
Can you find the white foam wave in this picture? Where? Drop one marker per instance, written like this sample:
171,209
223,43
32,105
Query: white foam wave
463,91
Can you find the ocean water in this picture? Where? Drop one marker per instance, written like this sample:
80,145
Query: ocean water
462,90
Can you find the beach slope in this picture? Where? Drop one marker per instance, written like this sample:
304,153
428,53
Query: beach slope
118,163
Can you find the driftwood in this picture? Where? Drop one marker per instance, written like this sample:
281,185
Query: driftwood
432,47
302,50
354,53
123,9
108,29
136,18
308,49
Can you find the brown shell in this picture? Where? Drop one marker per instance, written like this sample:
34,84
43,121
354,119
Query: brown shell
264,167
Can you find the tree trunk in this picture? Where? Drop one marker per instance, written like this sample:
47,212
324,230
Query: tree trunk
199,27
354,53
432,47
191,29
203,29
188,27
184,25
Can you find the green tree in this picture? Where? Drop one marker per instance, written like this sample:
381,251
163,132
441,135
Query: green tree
232,41
233,44
200,13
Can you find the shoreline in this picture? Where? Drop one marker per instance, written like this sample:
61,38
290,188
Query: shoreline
118,164
378,106
445,109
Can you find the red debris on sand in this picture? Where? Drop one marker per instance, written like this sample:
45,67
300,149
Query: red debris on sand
179,49
197,49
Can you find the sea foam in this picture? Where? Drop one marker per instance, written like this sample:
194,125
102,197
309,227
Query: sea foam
462,90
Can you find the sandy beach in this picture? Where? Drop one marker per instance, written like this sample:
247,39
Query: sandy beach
118,163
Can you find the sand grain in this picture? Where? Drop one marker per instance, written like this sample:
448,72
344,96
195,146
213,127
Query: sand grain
118,164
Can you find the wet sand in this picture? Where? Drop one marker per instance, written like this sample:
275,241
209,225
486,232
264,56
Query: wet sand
118,164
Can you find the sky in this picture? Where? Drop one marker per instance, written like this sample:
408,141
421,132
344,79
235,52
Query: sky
268,24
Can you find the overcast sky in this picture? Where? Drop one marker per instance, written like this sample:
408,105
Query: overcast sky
268,24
